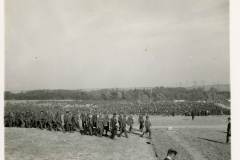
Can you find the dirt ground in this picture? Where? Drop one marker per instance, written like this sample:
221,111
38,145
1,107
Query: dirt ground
29,144
201,139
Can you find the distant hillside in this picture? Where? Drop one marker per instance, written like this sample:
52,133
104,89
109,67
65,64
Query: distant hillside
145,95
218,87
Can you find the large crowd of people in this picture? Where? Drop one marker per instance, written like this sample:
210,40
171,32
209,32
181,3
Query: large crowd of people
88,123
156,108
99,118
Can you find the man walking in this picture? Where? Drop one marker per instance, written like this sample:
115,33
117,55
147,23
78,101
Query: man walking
106,124
148,127
113,126
130,122
123,126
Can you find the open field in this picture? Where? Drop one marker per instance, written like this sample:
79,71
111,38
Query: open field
187,122
192,144
29,144
201,139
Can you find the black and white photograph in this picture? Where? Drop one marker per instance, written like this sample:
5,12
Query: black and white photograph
117,80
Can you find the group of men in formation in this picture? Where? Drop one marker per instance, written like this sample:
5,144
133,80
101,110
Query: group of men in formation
87,123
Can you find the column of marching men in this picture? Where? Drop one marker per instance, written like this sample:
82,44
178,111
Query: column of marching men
86,123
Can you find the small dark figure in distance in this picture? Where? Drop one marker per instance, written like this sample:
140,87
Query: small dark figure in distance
193,115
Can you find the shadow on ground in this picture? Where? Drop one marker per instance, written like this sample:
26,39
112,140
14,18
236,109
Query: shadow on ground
210,140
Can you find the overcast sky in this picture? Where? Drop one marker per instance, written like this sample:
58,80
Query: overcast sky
74,44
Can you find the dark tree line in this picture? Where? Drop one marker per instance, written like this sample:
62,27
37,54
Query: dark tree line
144,95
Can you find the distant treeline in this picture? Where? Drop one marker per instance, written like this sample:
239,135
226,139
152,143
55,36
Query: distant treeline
143,95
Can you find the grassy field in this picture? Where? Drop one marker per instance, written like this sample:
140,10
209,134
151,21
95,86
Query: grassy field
201,139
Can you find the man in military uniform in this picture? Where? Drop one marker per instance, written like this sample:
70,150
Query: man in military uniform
41,120
49,119
193,115
89,124
62,121
113,125
84,122
74,122
58,121
11,119
27,119
83,117
95,117
130,122
123,126
148,127
54,120
141,122
100,124
106,124
68,122
33,120
79,120
228,130
120,121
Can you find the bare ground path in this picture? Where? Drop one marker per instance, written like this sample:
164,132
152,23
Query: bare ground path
200,139
191,150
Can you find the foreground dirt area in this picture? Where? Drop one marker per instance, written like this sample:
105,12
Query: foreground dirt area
209,142
201,139
192,144
29,144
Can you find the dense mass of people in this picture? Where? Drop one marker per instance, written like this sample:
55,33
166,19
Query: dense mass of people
99,118
88,123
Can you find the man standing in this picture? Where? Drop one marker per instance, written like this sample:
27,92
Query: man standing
79,120
62,121
68,122
148,127
90,124
95,117
228,130
123,126
11,119
84,122
100,124
141,122
130,122
49,120
58,121
27,119
113,126
74,121
106,124
193,115
42,120
120,122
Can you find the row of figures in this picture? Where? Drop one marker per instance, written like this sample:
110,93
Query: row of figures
86,123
